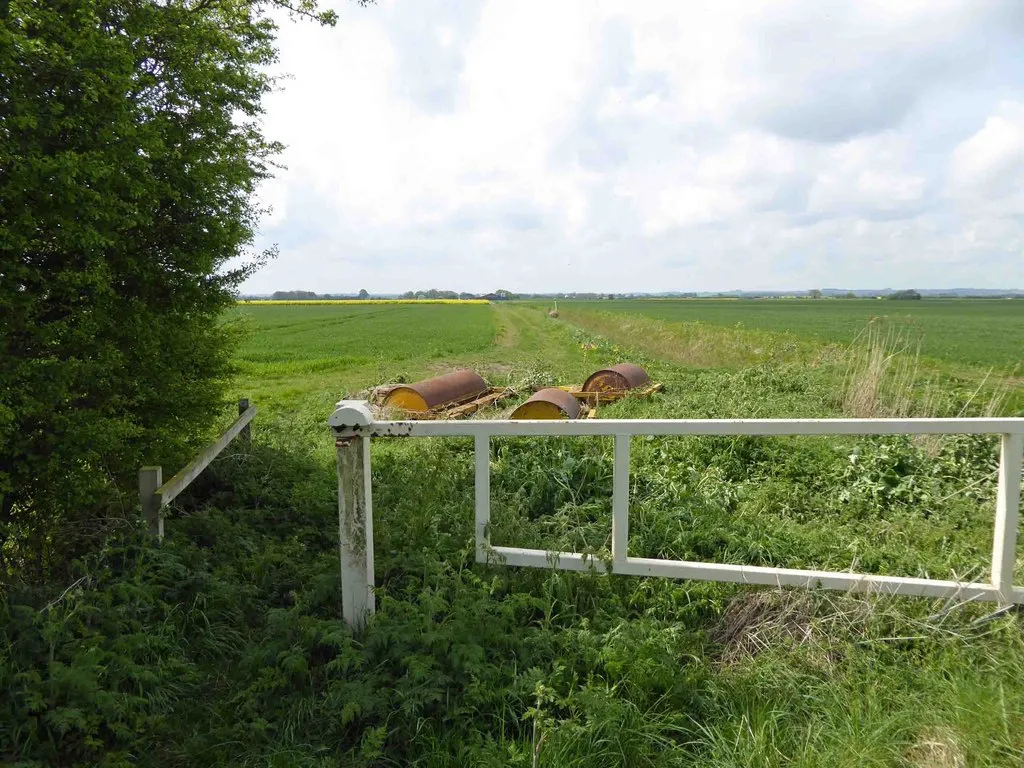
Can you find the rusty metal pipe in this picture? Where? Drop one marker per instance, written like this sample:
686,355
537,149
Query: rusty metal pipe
438,391
552,403
617,378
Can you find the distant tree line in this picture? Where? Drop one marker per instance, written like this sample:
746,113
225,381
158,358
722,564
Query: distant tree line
504,295
433,293
586,296
499,295
293,295
816,293
311,295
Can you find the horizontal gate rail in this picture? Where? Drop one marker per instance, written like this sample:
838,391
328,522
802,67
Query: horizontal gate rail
682,427
155,494
354,427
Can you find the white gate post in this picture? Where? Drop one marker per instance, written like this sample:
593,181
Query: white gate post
482,493
355,513
620,499
1004,548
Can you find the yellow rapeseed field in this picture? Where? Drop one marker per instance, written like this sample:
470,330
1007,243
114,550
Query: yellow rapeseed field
362,301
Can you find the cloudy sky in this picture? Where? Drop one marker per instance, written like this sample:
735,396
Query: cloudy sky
648,146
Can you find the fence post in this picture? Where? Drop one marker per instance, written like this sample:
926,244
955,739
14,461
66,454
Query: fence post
620,499
151,478
355,514
482,492
246,433
1004,548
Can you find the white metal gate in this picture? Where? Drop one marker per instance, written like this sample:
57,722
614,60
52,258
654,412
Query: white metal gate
354,427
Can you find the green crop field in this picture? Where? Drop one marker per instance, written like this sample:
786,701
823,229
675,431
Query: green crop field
245,659
290,339
976,331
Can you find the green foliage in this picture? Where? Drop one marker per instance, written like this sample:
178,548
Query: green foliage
962,331
302,340
225,646
129,150
293,295
910,295
884,472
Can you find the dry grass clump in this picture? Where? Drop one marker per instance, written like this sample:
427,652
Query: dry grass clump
936,749
882,377
755,621
758,620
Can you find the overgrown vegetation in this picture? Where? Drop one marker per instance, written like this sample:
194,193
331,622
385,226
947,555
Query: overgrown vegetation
129,149
225,645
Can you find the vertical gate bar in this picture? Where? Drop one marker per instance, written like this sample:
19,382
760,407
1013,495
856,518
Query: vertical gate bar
1004,548
368,525
482,488
620,499
355,526
151,478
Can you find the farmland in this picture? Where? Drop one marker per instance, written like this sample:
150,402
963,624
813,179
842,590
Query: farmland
282,342
466,664
974,331
354,302
192,536
483,665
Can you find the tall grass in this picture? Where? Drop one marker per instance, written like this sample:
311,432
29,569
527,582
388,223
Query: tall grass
883,374
885,378
960,331
695,344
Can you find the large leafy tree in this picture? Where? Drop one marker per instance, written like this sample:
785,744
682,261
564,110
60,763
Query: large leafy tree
129,152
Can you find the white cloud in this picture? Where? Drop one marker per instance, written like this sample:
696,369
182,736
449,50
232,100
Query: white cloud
992,160
649,146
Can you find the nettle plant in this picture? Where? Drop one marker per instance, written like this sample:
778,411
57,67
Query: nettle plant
884,471
894,470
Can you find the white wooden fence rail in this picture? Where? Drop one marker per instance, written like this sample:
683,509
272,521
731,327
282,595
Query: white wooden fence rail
155,494
354,427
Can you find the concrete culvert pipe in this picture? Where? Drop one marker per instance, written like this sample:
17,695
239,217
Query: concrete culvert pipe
452,388
552,403
618,378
